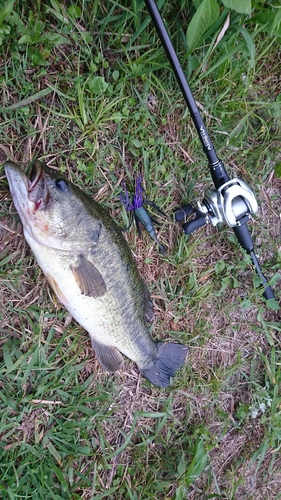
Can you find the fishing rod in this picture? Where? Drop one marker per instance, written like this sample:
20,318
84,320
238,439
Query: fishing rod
232,202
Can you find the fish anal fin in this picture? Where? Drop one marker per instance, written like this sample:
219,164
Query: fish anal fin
88,278
170,357
109,357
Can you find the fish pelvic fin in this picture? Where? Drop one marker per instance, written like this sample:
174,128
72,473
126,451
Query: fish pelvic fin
170,357
109,357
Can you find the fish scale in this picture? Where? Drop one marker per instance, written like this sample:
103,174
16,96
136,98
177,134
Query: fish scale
105,314
90,267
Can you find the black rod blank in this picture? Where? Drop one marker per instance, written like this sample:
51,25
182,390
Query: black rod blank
218,172
180,76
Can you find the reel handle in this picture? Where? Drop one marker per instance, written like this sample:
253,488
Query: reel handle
183,212
188,227
192,225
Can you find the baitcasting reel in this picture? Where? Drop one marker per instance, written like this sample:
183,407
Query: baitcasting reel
230,204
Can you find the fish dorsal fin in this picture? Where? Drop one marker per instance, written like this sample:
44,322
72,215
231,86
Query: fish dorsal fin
109,357
148,305
88,278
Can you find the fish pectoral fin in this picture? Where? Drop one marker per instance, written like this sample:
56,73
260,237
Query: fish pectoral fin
88,278
109,357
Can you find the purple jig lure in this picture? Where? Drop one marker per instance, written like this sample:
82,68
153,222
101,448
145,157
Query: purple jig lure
135,205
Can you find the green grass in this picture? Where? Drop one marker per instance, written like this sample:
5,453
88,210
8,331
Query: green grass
87,88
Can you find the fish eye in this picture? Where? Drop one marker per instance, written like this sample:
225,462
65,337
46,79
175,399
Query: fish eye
61,185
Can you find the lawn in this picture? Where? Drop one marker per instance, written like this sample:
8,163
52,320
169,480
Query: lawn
87,88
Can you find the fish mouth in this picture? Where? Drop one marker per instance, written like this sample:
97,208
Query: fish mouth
36,184
30,186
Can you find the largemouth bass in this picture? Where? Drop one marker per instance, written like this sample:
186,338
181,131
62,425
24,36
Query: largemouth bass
89,265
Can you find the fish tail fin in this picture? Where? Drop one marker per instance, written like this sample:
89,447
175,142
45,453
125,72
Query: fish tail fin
170,357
